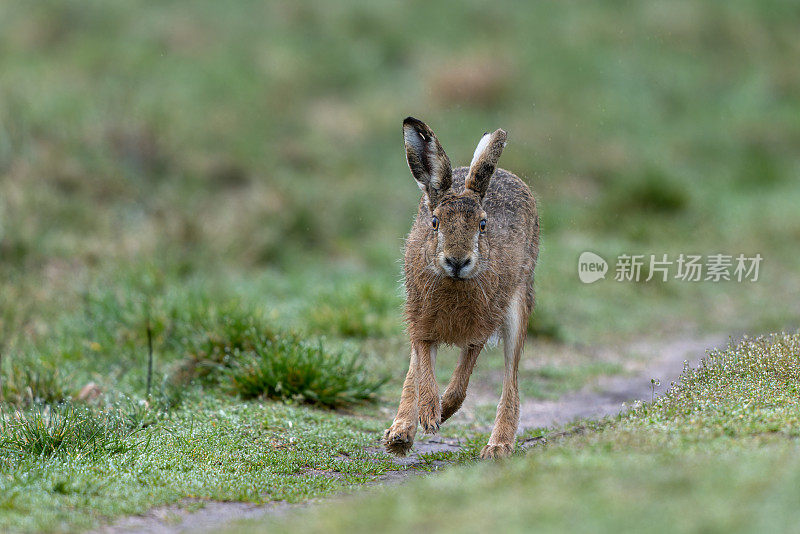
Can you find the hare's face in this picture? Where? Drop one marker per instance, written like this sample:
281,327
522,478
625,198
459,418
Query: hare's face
457,239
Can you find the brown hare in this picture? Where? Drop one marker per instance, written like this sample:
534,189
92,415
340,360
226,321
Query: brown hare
469,262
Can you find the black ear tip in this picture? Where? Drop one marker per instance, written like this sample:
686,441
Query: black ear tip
414,123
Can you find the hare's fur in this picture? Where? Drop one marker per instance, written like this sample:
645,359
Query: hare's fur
462,284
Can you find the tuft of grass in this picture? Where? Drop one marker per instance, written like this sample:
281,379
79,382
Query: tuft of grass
236,344
66,429
215,340
287,368
142,413
31,381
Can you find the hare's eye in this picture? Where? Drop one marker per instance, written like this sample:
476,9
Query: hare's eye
435,223
483,225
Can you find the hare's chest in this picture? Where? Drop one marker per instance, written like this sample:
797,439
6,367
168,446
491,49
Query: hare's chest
460,319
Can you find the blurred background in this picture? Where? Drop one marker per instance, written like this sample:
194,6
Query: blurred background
251,152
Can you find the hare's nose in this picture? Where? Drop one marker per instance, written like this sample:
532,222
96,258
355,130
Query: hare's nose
456,264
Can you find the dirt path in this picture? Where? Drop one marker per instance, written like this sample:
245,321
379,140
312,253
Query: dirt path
660,360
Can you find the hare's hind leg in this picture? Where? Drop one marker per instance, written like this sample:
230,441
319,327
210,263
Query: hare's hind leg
399,437
456,390
501,442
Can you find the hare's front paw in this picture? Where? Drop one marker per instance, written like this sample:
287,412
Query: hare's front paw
430,415
399,437
499,450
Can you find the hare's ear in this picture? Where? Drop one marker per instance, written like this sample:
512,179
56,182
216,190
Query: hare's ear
484,162
427,160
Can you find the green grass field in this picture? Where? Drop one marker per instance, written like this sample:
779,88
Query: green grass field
226,185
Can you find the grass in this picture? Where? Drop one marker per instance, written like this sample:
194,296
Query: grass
69,464
32,381
66,430
219,449
215,338
749,389
550,381
542,324
358,310
716,453
288,368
